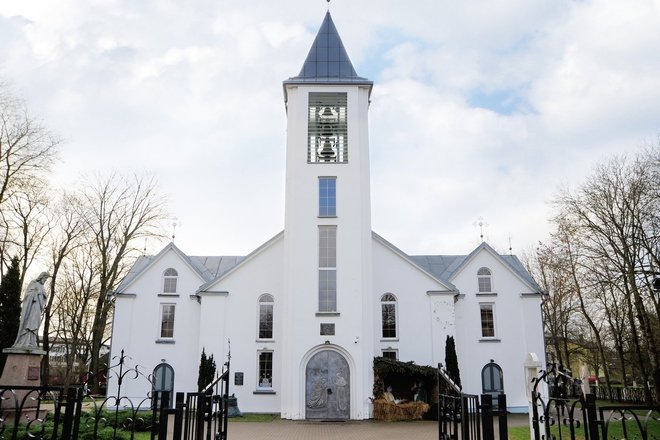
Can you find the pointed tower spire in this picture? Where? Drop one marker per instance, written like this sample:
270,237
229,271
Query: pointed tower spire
327,61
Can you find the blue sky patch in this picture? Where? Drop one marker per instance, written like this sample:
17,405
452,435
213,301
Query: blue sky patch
504,102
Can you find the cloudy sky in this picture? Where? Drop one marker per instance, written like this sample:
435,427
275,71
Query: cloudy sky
480,108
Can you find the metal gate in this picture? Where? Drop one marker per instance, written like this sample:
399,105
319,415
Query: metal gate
467,416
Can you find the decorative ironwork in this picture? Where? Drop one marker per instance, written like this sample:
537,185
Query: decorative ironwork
555,415
56,413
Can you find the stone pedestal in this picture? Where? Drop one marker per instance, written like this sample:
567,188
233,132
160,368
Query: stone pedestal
22,369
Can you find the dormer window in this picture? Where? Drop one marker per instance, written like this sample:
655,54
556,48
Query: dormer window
169,280
485,282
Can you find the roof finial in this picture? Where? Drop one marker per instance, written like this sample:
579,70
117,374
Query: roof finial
328,4
174,223
482,224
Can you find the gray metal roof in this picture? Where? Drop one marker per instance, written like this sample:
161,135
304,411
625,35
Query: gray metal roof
443,267
327,61
446,266
216,266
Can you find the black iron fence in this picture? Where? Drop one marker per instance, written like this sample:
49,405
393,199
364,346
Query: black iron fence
623,394
58,414
555,414
556,417
467,416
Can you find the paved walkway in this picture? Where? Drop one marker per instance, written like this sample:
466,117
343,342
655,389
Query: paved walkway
353,430
299,430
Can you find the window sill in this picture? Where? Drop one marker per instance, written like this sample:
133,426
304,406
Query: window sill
327,313
389,339
264,392
171,295
327,216
490,340
165,341
265,340
487,294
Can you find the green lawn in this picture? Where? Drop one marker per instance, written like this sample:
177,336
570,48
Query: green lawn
614,431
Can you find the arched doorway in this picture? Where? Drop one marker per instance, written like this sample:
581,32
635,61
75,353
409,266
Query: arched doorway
164,381
492,380
327,387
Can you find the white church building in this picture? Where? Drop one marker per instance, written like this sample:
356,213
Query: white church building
313,306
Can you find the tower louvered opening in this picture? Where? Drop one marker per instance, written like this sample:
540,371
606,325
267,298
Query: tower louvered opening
327,138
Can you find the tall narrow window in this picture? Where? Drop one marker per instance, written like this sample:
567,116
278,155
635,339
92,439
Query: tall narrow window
487,320
484,277
327,128
265,317
265,379
327,196
327,268
167,320
169,280
388,313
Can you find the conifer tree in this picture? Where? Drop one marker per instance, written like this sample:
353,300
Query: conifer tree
206,371
10,307
451,360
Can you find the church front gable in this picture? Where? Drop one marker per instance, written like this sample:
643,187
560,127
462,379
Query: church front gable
152,317
498,319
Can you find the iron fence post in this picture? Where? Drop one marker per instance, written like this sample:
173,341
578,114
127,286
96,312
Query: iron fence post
465,428
69,411
178,417
535,416
163,416
592,416
439,404
502,420
487,417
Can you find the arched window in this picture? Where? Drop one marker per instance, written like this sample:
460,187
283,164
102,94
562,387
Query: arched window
163,381
169,280
485,283
266,303
492,380
388,313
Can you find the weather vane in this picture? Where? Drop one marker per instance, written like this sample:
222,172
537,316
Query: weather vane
482,224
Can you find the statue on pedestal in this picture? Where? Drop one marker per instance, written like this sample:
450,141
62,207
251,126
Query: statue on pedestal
34,302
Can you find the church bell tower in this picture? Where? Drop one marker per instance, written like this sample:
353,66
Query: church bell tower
328,310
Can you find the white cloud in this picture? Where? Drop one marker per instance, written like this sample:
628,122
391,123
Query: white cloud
479,108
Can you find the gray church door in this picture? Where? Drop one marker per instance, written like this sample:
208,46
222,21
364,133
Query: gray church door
327,387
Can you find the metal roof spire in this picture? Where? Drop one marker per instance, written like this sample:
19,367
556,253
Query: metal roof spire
327,60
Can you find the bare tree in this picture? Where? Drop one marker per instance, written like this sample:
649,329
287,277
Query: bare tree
67,235
121,212
28,219
27,150
609,218
559,306
74,311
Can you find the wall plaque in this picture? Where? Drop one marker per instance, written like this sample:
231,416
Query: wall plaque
33,373
327,329
238,378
